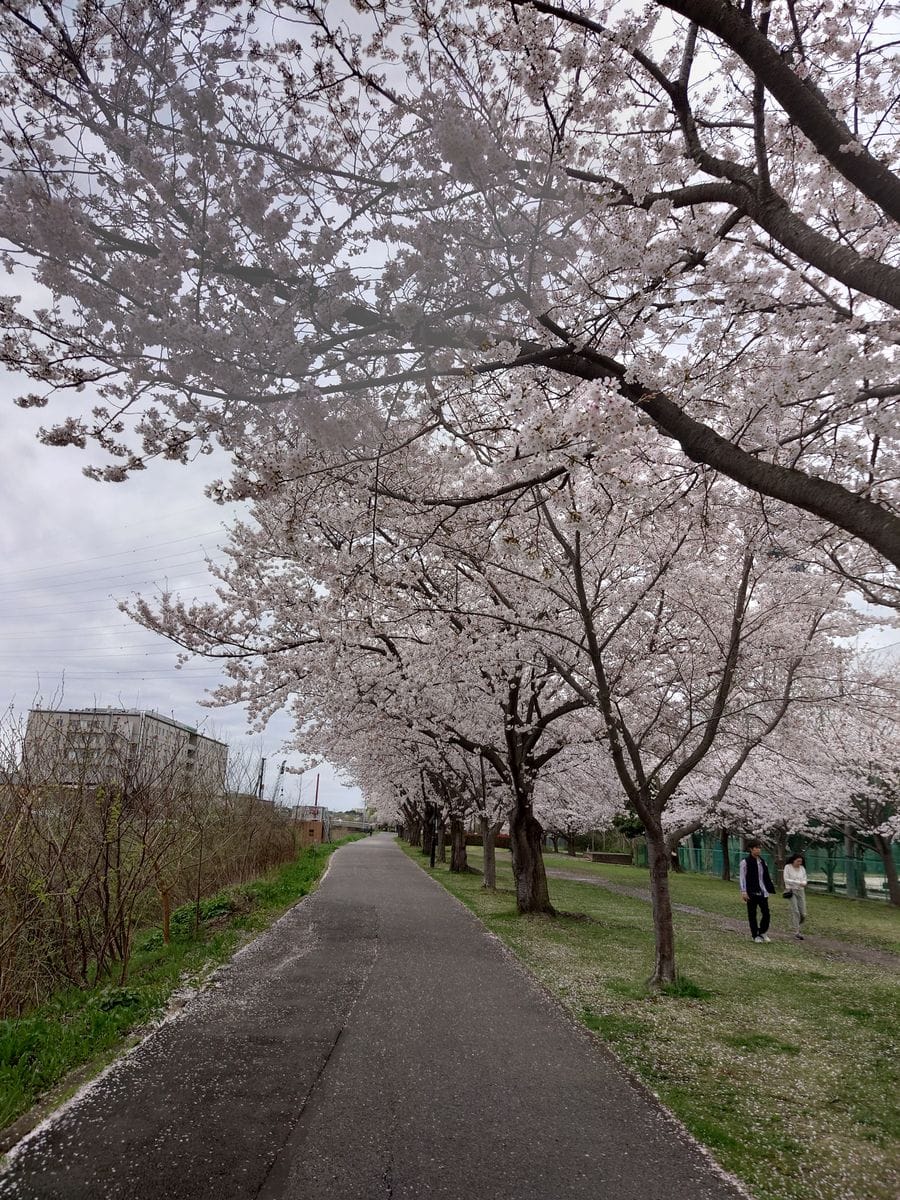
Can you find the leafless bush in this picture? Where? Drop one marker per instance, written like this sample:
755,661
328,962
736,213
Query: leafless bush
97,840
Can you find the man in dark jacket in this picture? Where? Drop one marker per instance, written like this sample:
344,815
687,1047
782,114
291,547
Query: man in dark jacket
756,888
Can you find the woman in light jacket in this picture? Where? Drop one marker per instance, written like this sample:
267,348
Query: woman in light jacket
795,883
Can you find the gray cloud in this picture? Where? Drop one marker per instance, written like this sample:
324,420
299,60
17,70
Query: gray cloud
71,549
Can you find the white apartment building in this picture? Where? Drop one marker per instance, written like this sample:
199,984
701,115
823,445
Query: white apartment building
95,745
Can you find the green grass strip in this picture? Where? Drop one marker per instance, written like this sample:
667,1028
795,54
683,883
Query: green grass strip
782,1060
88,1027
870,923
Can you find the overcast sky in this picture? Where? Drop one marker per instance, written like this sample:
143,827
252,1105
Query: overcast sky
71,549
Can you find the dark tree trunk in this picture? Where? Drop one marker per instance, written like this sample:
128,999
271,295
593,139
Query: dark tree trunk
441,842
663,927
883,847
412,830
488,840
853,873
428,830
525,835
780,853
554,838
726,861
570,846
459,862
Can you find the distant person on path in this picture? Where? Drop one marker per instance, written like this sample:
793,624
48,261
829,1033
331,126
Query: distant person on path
795,883
756,888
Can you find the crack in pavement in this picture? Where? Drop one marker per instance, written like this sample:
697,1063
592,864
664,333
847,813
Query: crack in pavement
277,1177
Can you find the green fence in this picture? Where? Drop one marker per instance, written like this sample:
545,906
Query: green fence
859,875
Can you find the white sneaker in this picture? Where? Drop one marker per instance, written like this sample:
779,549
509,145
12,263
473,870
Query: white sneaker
765,938
759,939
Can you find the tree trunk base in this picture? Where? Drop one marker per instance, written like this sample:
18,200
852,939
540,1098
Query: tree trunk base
663,925
525,837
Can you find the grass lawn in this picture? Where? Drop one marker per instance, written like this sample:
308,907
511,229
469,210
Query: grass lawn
89,1027
783,1062
867,922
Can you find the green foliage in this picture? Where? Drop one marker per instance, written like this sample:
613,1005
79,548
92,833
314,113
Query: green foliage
109,998
685,987
611,1026
755,1042
629,824
182,919
151,939
37,1051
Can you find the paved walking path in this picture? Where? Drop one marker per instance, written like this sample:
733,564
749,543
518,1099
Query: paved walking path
823,945
376,1044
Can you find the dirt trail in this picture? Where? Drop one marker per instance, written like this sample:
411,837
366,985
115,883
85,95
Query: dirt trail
822,945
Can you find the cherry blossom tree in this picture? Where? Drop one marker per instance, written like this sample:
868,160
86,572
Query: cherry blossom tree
671,614
783,786
579,792
658,612
336,610
248,220
862,751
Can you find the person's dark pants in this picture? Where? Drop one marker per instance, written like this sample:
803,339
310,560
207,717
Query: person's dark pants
762,902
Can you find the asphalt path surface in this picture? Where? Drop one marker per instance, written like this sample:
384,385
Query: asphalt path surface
375,1044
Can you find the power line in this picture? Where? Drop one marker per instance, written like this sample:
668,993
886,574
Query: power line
121,553
101,604
878,649
117,553
172,679
82,631
135,651
188,558
84,585
100,652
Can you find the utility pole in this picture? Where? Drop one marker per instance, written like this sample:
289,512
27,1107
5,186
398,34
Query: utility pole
279,783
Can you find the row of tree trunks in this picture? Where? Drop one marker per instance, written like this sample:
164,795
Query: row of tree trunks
431,832
412,824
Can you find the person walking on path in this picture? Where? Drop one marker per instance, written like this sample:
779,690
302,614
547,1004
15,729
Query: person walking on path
756,888
795,883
